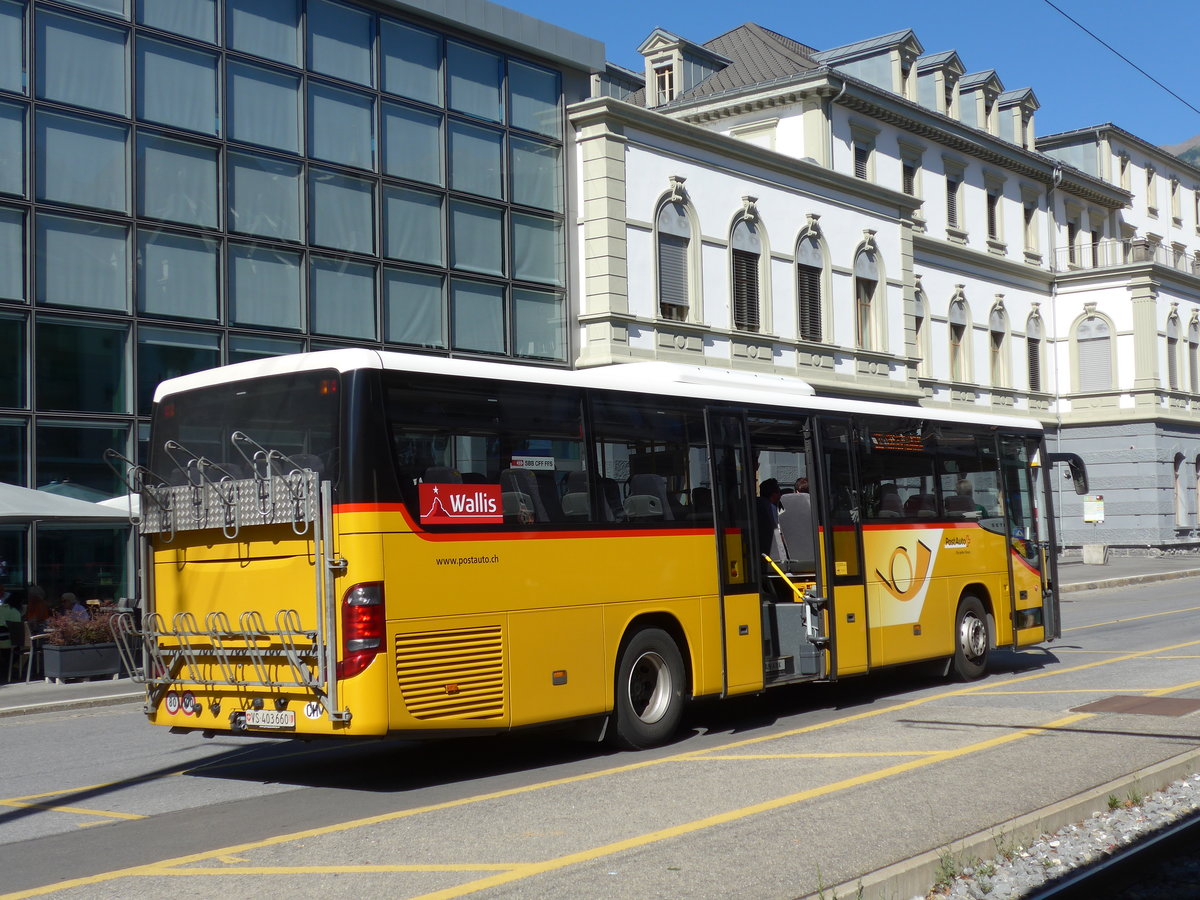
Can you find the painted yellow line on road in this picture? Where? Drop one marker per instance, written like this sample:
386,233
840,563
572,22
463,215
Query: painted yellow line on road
725,818
155,868
76,810
341,870
1155,615
705,757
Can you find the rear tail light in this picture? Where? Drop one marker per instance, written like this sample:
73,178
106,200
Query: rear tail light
362,628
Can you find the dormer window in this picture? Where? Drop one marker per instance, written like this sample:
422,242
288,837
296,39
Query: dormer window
664,83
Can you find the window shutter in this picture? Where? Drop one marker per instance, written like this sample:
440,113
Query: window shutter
1095,358
673,276
808,292
1033,348
910,179
952,202
745,290
861,157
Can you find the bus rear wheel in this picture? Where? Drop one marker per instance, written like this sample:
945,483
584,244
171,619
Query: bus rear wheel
649,695
970,639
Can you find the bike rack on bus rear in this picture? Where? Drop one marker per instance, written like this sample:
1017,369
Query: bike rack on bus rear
182,653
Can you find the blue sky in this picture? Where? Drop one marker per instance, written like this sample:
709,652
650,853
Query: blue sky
1078,82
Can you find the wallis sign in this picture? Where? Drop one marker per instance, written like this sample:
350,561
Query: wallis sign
461,504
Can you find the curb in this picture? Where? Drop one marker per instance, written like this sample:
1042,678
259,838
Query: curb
76,703
915,876
1127,580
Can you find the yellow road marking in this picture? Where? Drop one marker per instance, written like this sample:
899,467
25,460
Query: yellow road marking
1169,612
705,757
344,870
77,810
162,866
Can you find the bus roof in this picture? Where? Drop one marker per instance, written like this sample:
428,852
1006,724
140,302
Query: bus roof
646,377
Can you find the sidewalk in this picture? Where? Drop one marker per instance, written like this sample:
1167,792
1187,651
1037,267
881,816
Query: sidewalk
39,696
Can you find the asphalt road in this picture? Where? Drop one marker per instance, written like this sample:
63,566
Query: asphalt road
777,796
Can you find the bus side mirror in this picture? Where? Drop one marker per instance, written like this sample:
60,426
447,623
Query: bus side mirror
1078,470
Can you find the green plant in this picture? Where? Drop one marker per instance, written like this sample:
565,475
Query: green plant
947,870
1134,798
1114,802
74,629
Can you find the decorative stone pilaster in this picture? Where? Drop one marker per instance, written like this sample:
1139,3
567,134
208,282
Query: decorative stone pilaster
1144,301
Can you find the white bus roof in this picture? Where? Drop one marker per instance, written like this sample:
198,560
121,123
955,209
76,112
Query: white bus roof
648,377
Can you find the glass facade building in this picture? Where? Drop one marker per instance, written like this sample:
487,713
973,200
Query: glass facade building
185,183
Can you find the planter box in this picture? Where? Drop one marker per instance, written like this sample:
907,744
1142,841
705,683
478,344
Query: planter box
81,661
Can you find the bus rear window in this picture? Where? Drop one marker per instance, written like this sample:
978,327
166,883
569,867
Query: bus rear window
295,414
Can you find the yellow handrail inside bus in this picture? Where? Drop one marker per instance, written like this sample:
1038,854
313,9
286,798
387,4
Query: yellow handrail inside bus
798,587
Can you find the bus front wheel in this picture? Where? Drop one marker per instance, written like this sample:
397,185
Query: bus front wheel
649,696
971,639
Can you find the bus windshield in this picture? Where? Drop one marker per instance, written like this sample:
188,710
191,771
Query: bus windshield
295,414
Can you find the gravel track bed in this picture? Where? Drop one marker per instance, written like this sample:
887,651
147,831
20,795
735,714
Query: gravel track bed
1018,870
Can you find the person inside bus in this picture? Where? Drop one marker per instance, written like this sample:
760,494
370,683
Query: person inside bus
768,512
964,500
801,486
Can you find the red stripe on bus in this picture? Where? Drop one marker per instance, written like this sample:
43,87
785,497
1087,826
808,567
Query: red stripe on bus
514,536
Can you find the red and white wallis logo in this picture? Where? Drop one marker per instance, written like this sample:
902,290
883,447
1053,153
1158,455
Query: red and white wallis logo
460,504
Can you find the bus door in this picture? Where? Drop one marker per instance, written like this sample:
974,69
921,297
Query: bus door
841,550
732,480
1033,606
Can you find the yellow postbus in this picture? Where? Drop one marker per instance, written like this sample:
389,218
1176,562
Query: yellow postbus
353,543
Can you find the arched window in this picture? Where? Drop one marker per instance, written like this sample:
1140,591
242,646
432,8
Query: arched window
959,349
921,332
674,261
1173,353
866,286
1093,339
1034,336
1193,354
998,346
745,249
810,273
1181,516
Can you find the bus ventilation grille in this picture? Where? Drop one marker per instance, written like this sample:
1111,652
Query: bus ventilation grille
456,674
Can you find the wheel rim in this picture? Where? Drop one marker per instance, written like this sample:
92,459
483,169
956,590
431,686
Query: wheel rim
650,687
972,637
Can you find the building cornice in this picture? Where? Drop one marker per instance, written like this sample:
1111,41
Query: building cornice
1071,138
617,112
910,117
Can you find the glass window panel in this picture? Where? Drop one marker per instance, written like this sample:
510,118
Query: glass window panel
412,144
80,263
412,223
266,28
537,249
81,63
14,434
177,275
476,160
178,181
12,47
536,174
414,306
266,287
343,298
177,86
339,41
539,325
88,374
476,238
478,314
74,451
412,62
12,159
83,162
13,360
535,95
115,7
12,254
475,79
265,197
167,353
264,107
243,348
342,212
341,126
191,18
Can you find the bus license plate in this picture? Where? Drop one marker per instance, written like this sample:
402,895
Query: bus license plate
270,718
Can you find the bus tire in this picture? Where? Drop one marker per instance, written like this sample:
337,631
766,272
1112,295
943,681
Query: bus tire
970,639
649,692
